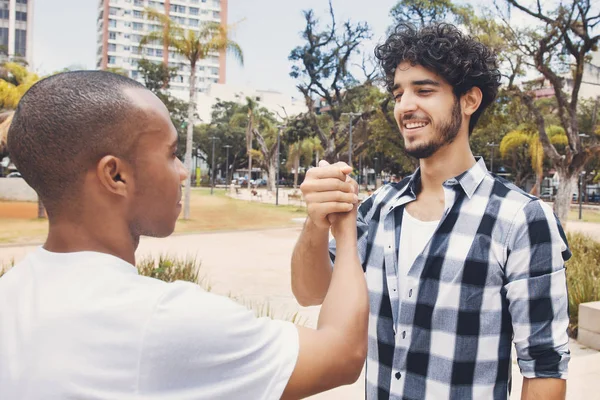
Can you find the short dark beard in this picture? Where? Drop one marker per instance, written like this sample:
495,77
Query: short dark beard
446,134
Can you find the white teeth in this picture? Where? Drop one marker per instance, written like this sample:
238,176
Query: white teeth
413,125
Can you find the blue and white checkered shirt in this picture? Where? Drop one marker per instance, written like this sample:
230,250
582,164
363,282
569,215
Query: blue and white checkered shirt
492,273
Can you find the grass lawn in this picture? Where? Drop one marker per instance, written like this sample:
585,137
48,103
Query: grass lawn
209,213
586,215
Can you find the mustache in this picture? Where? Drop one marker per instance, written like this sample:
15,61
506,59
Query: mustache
411,117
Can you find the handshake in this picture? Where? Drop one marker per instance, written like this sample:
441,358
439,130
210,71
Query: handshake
331,196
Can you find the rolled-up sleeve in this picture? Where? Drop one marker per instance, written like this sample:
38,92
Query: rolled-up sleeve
536,290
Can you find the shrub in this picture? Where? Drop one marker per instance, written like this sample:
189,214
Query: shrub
171,269
4,267
583,275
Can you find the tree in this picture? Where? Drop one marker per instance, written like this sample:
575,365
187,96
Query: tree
194,46
423,12
321,66
15,80
558,49
229,130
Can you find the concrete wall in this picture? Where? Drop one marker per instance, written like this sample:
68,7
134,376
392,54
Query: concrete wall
16,189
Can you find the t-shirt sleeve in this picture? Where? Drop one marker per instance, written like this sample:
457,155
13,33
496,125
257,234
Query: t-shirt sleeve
198,345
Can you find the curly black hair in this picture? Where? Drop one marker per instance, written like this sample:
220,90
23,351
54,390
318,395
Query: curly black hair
460,59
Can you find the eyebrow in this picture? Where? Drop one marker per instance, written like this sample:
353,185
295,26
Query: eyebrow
421,82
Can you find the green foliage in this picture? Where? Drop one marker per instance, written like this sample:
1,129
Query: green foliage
170,269
422,12
583,275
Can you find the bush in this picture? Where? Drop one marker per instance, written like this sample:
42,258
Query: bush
171,269
4,268
583,275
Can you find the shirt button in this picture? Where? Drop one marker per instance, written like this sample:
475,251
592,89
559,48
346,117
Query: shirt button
410,293
403,334
398,375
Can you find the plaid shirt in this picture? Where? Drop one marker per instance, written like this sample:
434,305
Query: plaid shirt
492,273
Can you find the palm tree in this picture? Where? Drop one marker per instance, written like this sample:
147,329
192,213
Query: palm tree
304,149
524,143
193,45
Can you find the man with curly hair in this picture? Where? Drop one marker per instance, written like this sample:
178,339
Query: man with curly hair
458,262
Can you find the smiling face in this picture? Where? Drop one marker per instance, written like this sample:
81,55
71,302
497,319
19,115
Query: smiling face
426,110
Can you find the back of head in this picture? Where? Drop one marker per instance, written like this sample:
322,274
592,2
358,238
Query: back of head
64,124
443,49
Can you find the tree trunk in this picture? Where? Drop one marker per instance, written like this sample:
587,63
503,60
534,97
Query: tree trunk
249,168
41,209
564,195
272,174
189,142
296,168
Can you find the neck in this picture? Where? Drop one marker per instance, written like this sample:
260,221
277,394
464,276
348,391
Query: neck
448,162
65,236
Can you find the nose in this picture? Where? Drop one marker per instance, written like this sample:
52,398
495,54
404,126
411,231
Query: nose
183,172
406,104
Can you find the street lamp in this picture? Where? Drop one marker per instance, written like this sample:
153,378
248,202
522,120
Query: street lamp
227,146
212,172
350,114
581,175
492,145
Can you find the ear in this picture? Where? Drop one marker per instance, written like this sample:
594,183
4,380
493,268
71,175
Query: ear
114,175
471,100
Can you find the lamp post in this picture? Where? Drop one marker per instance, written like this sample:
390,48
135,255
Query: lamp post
581,174
492,145
227,146
212,172
350,114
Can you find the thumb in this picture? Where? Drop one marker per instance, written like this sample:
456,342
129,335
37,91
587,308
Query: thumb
323,163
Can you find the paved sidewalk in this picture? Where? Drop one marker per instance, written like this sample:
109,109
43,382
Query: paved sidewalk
256,266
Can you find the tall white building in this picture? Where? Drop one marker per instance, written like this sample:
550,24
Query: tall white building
16,29
121,24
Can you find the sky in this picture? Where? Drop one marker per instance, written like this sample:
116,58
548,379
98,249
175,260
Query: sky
267,30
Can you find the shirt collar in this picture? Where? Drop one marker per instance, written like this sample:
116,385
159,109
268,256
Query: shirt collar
469,180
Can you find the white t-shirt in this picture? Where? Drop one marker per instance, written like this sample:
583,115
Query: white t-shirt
87,326
414,236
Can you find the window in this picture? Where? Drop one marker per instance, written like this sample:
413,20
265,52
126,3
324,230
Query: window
138,26
113,11
134,74
216,14
21,16
139,3
21,1
138,14
112,59
194,22
21,42
112,23
3,14
112,47
214,71
4,40
216,3
194,11
149,51
159,53
112,35
126,48
127,36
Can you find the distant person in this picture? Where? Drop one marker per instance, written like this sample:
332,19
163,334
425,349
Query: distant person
76,319
459,263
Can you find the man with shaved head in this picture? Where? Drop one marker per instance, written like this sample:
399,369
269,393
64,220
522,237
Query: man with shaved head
78,322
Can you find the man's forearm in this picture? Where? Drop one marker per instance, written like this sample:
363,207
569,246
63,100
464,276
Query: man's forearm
311,266
544,389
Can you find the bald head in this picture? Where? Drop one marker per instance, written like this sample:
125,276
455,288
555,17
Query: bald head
65,123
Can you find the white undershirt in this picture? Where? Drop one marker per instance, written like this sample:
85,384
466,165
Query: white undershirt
413,238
